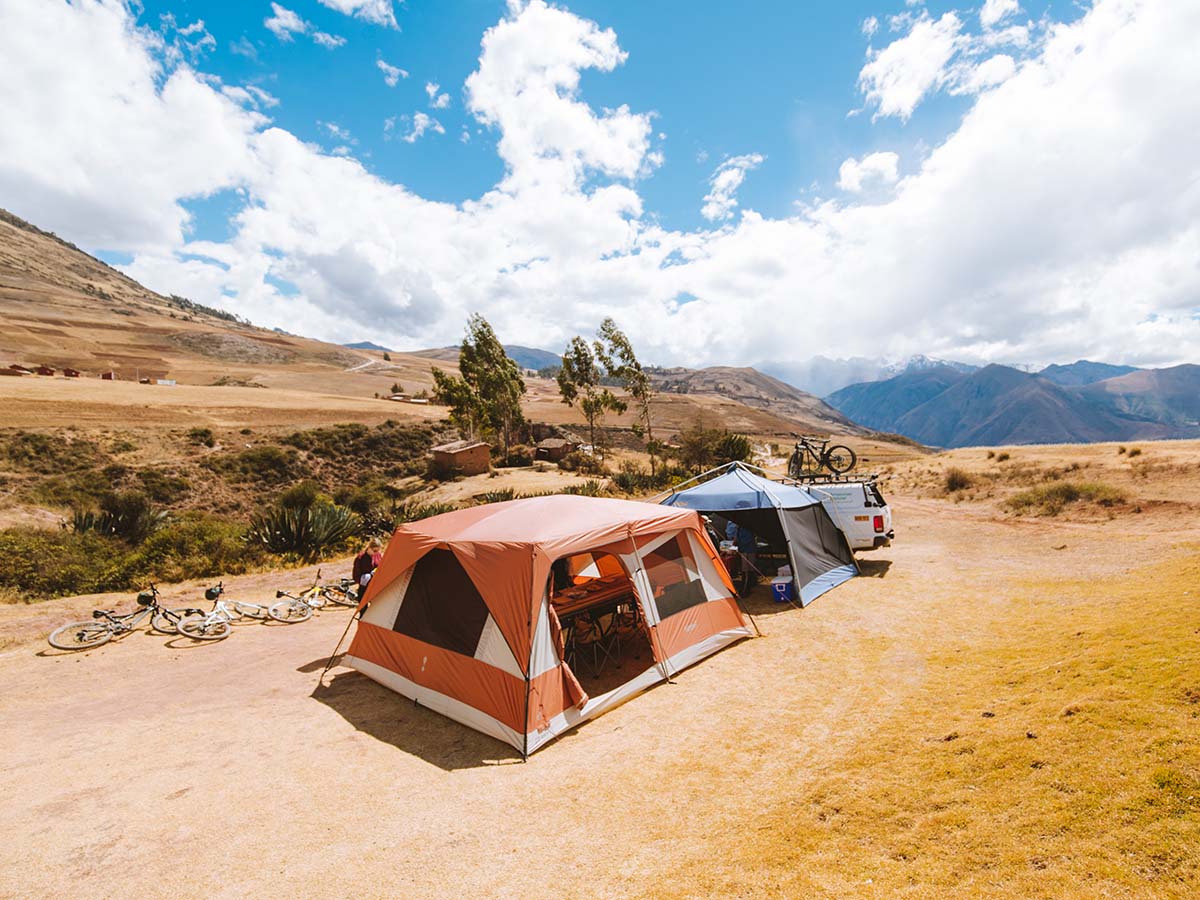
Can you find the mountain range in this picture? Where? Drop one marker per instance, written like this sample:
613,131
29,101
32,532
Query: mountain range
1080,402
526,357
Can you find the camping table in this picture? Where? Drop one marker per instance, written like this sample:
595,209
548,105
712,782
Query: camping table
596,599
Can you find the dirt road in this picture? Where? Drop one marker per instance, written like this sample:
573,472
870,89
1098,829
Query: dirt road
157,767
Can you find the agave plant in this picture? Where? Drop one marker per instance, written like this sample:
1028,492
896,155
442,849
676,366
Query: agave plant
127,515
307,531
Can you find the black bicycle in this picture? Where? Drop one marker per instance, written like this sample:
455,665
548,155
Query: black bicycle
106,624
812,454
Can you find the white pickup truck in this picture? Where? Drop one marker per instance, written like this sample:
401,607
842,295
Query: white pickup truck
858,508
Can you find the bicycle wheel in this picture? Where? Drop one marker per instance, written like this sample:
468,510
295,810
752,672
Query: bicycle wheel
341,598
250,610
166,621
290,612
840,459
204,628
795,466
80,635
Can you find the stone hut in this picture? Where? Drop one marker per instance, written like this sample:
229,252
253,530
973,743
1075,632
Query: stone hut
462,458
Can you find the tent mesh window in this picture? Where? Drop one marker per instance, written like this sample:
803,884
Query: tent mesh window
442,606
674,577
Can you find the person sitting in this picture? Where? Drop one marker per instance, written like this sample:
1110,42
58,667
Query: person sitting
367,562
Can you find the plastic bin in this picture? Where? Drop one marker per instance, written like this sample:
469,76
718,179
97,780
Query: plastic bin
783,590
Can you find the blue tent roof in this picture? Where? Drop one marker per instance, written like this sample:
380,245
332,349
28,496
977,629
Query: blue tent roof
739,488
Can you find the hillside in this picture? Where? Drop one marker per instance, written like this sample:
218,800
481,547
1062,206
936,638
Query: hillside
1082,372
1000,405
525,357
753,388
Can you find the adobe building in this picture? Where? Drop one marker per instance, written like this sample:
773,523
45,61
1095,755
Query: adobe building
462,458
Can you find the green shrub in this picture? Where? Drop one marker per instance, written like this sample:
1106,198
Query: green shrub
590,488
632,479
202,436
498,496
519,456
83,488
1049,500
163,487
396,450
306,531
196,545
957,479
49,454
301,495
578,461
40,564
413,510
265,465
128,515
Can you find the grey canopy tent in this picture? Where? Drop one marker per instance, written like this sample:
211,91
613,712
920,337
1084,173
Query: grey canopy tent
781,515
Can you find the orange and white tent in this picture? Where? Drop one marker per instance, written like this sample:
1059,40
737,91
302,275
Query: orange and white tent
462,615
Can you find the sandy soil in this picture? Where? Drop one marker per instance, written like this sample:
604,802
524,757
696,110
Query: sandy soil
156,767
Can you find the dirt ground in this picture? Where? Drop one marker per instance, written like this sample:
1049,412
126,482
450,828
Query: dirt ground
1002,706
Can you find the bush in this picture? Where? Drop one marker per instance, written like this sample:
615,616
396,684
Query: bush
49,454
499,496
519,456
590,488
957,479
585,463
1121,450
202,437
128,515
633,479
413,510
307,531
195,546
163,487
40,564
301,495
1134,451
1049,500
991,454
1002,457
266,465
702,448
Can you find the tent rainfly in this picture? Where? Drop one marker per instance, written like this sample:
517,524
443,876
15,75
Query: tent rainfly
779,514
462,615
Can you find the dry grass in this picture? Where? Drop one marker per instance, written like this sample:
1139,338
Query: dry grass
1058,756
1051,499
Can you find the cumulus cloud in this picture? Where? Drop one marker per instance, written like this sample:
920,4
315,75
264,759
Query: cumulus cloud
422,123
1060,218
873,170
379,12
870,25
284,23
436,100
993,11
391,74
897,78
721,199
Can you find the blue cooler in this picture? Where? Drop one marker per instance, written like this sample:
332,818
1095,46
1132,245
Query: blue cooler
783,590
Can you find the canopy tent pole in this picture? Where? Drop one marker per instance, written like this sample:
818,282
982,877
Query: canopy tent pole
747,562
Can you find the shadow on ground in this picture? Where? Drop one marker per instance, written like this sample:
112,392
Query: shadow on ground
874,568
410,728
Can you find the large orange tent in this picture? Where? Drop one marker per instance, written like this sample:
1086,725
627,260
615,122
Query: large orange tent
468,613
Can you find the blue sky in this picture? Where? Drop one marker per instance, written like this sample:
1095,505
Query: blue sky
996,181
781,83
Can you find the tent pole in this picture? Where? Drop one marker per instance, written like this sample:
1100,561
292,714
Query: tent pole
333,655
760,572
675,489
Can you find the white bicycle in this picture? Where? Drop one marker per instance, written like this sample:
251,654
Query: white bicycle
214,625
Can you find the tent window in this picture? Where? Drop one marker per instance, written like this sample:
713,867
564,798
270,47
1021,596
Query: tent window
674,576
442,606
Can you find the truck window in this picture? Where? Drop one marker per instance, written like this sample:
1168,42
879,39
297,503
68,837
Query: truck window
874,498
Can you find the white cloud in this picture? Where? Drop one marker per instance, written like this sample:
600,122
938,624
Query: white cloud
329,41
870,25
391,74
436,100
422,123
721,200
380,12
1060,219
989,73
284,23
993,11
874,169
336,131
899,76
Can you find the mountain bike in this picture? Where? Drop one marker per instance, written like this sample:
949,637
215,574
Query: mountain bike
293,608
215,624
106,624
812,454
343,592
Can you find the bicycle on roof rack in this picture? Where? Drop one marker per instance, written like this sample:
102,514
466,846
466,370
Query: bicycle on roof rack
813,454
106,624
